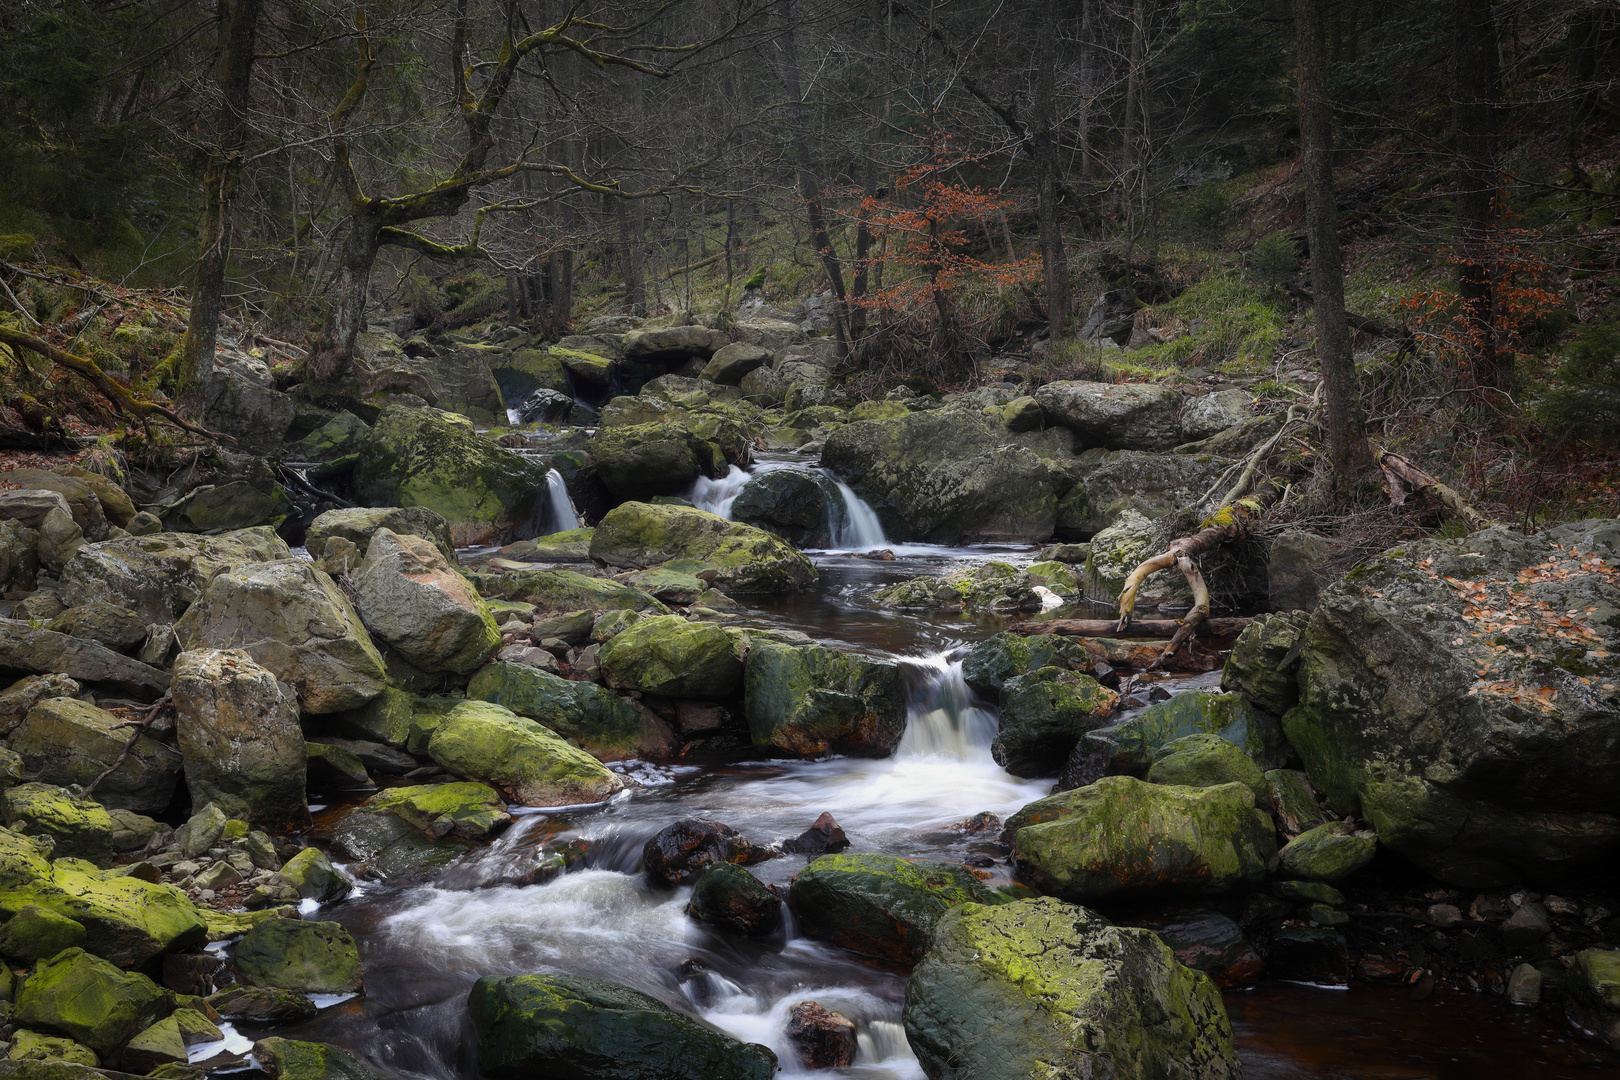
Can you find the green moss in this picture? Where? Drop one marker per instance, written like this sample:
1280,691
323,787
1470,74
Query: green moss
565,590
528,763
91,1001
290,954
813,700
881,905
290,1059
470,811
599,720
670,656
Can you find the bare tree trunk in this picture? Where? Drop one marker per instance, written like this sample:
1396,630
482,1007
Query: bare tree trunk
346,317
1346,430
238,30
1088,30
1054,266
1133,84
635,292
1473,109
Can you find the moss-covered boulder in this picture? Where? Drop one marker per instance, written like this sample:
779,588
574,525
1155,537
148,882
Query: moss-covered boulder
358,524
338,437
159,1045
1128,416
32,1046
239,735
795,504
598,720
728,896
1206,760
1329,852
290,954
881,906
954,476
1119,549
1007,655
77,828
117,628
639,461
294,621
1593,989
157,577
386,846
469,811
669,656
521,372
1463,696
570,1025
1048,989
1043,714
63,741
312,874
527,763
565,590
1150,484
424,457
292,1059
995,586
1138,740
1121,839
746,560
574,545
90,1001
811,700
37,933
409,596
1262,664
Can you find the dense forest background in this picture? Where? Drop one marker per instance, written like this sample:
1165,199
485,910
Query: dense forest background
1105,189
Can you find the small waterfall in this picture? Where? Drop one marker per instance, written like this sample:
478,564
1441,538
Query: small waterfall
514,416
944,718
563,518
859,528
882,1040
716,496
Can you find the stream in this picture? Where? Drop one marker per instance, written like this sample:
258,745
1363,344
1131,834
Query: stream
424,945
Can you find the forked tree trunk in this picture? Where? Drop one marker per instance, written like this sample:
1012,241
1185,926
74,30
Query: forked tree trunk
331,358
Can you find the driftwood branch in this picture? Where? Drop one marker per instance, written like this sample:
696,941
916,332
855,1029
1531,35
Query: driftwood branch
1399,471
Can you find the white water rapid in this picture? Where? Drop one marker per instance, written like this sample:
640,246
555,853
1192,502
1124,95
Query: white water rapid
855,528
561,508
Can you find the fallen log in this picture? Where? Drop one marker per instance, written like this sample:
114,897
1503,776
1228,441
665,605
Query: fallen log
1109,628
1359,323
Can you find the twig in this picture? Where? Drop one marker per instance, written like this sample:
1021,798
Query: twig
134,737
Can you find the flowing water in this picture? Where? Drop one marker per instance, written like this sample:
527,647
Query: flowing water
423,946
852,524
560,508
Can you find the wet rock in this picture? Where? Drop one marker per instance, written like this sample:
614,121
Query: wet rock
746,560
359,524
262,1003
1330,852
1128,416
333,765
678,852
1520,742
1205,760
670,586
1291,799
408,596
30,650
1040,987
35,933
1119,549
294,621
669,656
639,461
1593,989
290,954
792,504
1309,954
823,1039
564,590
338,437
374,757
1524,985
118,629
574,545
79,828
1205,940
1444,916
545,406
157,577
1525,927
1263,661
824,836
467,811
434,459
156,1046
32,1046
90,1001
527,763
995,586
1043,715
570,1025
812,700
289,1059
1138,740
600,721
880,905
388,847
238,731
313,875
1297,570
1121,838
726,895
62,741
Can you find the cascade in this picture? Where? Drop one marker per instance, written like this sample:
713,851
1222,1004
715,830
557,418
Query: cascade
853,525
562,517
944,718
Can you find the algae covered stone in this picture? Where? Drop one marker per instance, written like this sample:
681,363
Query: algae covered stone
292,1059
290,954
643,460
313,875
881,906
600,721
565,590
1043,715
527,763
571,1025
1138,740
469,811
727,895
1593,986
64,741
1330,852
1006,655
1040,988
669,656
746,560
1120,839
411,598
79,828
37,933
812,700
1204,761
32,1046
1262,663
90,1001
158,577
1126,416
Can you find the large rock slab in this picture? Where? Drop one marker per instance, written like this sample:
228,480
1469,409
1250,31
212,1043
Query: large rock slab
746,560
670,656
812,700
1152,484
408,595
1048,989
76,828
571,1025
291,954
639,461
294,620
90,1001
238,732
1463,696
1121,839
880,905
1043,715
674,343
425,457
953,476
1123,416
32,650
607,725
359,524
63,741
159,576
81,493
527,763
457,379
565,590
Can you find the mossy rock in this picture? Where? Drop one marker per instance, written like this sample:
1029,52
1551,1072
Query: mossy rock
1256,665
812,700
38,933
591,1029
1138,740
565,590
1330,852
291,1059
290,954
1205,760
727,895
89,1000
358,524
1122,839
81,829
880,906
597,719
32,1046
388,847
746,560
1043,715
670,656
469,811
571,546
638,461
64,741
314,876
995,586
1044,988
1007,655
159,1045
527,763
